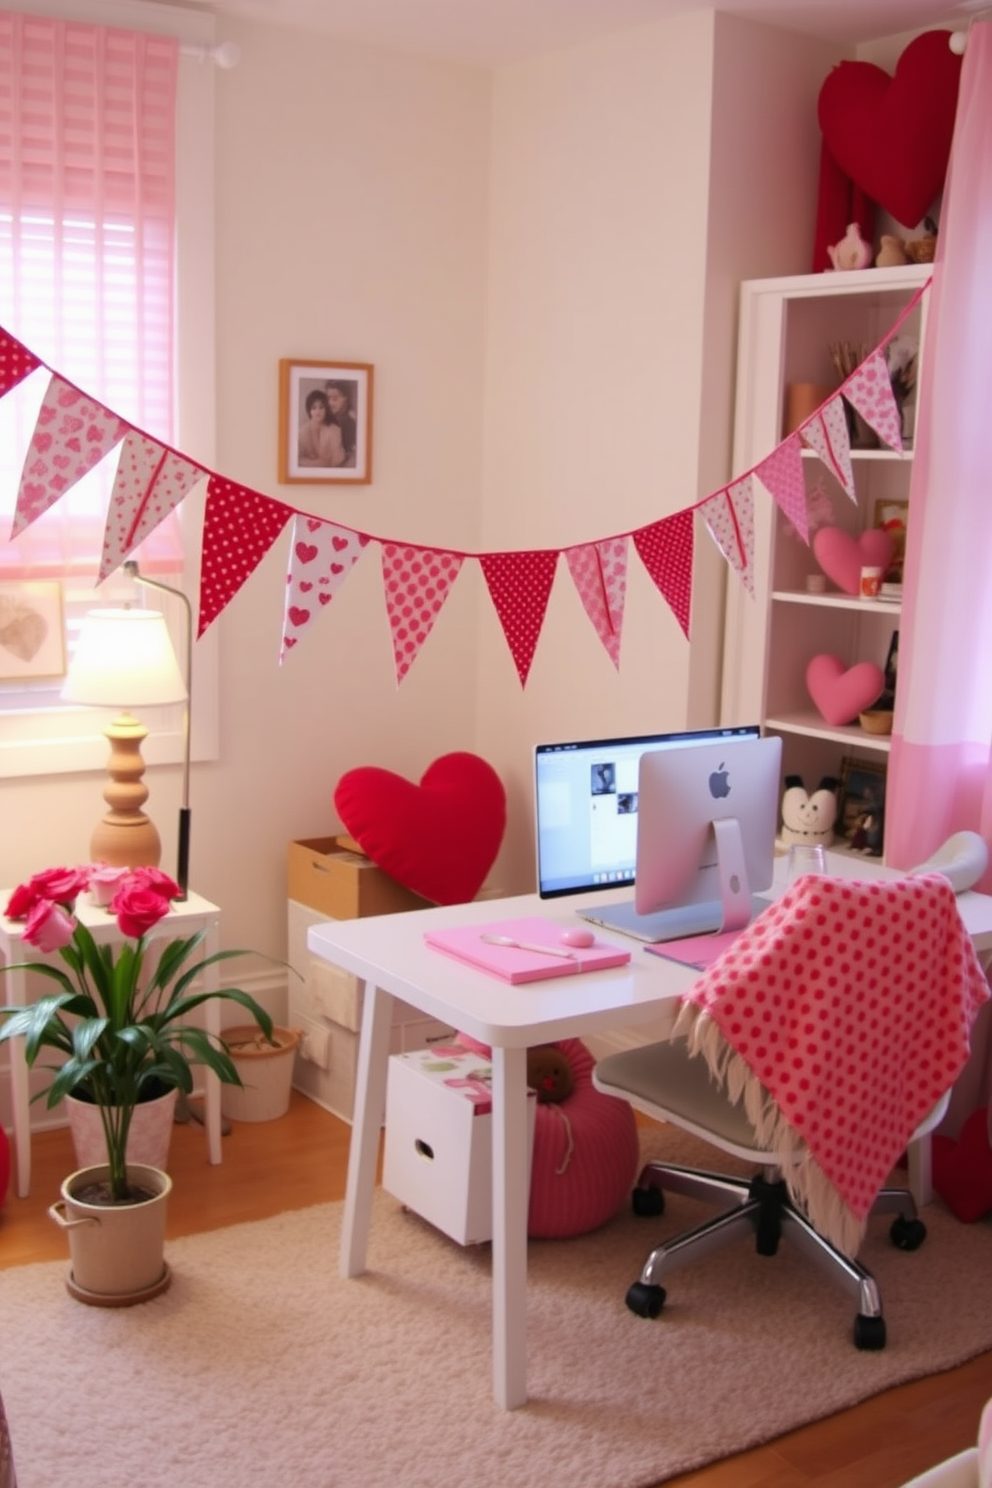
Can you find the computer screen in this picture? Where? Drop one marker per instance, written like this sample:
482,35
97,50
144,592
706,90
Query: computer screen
707,816
586,807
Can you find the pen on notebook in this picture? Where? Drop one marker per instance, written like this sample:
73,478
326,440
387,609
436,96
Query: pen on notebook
528,945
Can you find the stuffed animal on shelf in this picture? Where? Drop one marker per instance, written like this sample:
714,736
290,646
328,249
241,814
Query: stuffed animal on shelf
550,1074
809,818
852,252
891,251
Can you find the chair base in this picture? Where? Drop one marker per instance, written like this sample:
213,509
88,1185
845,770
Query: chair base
762,1206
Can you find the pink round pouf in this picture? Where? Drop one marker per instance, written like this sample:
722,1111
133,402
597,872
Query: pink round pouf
586,1153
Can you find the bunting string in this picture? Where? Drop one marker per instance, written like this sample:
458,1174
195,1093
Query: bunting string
74,431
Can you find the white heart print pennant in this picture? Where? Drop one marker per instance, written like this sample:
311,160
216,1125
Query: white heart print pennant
321,556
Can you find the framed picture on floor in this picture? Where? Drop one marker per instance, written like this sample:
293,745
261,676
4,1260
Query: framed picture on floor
325,422
32,631
861,819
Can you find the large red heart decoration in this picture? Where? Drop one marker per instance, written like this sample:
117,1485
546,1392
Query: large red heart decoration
842,556
892,135
439,838
962,1170
841,693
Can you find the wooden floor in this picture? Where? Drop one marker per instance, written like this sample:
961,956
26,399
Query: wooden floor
301,1158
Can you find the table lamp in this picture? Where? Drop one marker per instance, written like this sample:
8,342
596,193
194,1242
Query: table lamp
124,659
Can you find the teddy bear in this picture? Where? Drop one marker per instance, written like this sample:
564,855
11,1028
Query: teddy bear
550,1074
922,250
809,818
891,251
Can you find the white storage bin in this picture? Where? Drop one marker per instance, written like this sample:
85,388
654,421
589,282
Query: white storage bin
438,1150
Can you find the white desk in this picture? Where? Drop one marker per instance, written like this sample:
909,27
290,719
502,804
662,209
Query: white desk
389,953
183,919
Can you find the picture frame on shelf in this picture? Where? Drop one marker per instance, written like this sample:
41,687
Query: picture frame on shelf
892,517
325,422
32,631
861,818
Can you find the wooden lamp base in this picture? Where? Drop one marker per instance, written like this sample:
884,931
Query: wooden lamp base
126,837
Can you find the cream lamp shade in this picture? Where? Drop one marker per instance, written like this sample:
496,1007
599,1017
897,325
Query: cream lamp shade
124,659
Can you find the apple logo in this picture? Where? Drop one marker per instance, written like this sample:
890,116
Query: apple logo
719,784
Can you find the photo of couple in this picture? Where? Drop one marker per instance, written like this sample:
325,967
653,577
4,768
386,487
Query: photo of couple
328,433
325,421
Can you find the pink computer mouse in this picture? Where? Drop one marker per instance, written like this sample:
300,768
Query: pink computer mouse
578,937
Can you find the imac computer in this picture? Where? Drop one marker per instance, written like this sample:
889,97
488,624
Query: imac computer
707,812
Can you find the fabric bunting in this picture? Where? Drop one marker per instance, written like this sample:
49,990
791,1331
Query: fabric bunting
520,587
869,390
416,582
666,550
151,481
729,515
16,362
782,476
239,528
72,434
827,435
599,572
321,556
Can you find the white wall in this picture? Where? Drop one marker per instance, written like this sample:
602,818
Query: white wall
541,265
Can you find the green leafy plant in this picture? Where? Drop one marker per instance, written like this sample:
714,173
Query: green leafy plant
119,1014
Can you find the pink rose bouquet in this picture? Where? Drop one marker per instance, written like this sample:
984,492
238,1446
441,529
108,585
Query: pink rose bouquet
119,1015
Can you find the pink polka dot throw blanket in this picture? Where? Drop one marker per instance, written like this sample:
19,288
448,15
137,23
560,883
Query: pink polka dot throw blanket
840,1016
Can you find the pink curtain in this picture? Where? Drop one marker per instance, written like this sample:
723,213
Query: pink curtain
940,770
87,234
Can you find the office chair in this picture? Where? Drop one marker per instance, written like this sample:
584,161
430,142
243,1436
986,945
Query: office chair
819,1046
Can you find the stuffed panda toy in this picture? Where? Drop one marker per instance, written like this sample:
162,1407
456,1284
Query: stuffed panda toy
809,818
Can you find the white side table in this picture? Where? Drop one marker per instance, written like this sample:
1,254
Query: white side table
184,918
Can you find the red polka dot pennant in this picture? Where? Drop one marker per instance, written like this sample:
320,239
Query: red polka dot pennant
151,481
416,582
321,556
666,549
72,434
520,587
16,362
599,572
239,528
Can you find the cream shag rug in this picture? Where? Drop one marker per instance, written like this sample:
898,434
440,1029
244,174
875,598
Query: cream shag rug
261,1366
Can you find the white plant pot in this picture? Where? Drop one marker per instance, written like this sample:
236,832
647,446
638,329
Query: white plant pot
117,1250
148,1139
267,1073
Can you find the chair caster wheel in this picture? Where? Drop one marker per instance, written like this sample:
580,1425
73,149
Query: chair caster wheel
646,1301
907,1234
647,1203
869,1332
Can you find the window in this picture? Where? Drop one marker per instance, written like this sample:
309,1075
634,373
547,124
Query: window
116,307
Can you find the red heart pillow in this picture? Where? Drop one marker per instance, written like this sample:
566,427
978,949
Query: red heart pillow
962,1170
892,135
438,838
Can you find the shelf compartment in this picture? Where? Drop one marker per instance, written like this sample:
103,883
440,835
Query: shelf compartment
810,725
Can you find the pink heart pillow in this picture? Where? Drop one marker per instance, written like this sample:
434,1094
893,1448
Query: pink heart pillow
892,135
841,693
842,556
438,838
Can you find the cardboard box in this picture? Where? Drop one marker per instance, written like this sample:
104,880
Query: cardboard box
343,885
438,1157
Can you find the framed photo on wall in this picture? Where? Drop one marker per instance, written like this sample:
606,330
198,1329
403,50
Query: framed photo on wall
32,631
325,422
861,820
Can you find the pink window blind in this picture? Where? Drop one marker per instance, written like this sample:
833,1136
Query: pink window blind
87,234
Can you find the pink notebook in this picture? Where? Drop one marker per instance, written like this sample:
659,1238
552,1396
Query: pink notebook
512,964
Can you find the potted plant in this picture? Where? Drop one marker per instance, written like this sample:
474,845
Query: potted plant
118,1016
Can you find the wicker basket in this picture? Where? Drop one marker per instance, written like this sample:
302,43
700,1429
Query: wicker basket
267,1072
877,721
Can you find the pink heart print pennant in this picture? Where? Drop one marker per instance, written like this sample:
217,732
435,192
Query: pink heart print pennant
321,556
72,434
416,582
869,389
